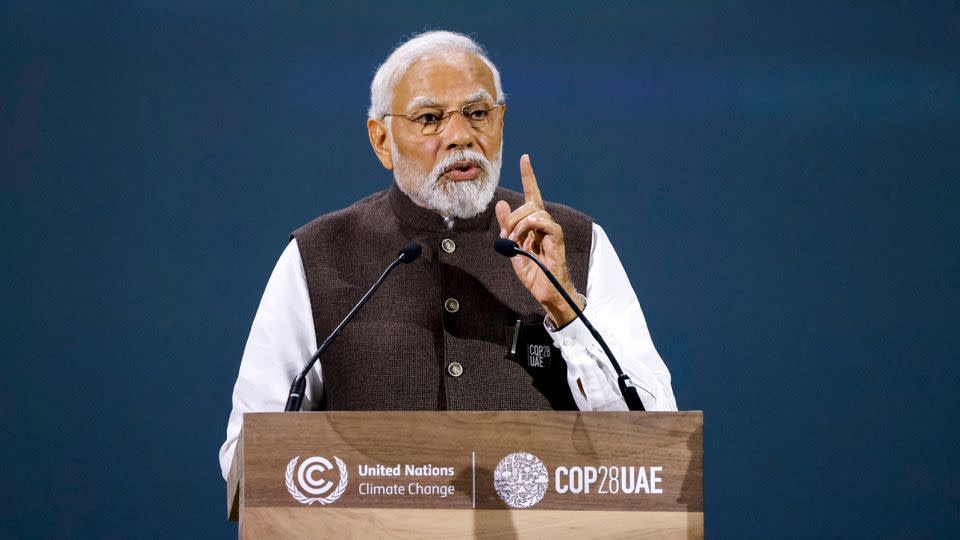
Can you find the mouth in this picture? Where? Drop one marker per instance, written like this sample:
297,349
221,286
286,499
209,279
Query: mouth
462,171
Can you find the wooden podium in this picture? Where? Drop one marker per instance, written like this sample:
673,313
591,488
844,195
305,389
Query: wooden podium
468,474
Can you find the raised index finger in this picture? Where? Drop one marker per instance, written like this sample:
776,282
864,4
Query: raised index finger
531,192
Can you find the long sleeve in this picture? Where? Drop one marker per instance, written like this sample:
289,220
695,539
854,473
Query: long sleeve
281,340
614,310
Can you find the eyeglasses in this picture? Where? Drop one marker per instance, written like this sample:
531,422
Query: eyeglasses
480,116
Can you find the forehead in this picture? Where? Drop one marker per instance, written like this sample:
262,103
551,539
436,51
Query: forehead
447,78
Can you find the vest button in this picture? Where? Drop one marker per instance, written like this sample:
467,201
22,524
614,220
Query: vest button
448,245
455,369
451,305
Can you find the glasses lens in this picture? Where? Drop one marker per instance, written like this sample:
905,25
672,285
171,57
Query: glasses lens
479,116
432,128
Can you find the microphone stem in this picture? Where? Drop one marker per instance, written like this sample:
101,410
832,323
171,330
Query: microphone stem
297,389
629,392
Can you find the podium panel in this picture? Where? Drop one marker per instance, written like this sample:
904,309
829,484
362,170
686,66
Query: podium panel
469,474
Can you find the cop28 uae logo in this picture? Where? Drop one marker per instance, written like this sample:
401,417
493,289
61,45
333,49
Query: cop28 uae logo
309,478
520,480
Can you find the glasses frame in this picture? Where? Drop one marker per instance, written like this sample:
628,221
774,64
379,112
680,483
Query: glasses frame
445,117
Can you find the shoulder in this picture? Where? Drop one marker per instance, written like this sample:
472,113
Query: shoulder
363,213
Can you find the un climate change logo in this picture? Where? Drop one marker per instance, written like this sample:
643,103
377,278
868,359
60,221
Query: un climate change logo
309,478
520,480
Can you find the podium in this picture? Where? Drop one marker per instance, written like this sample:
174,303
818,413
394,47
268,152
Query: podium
511,474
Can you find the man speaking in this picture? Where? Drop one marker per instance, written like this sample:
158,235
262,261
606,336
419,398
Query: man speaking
461,328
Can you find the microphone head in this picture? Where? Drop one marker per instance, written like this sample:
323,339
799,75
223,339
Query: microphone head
506,247
410,252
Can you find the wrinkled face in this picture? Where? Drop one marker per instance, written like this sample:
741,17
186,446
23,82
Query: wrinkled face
456,170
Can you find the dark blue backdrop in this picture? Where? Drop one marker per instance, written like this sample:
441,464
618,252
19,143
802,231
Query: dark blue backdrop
780,182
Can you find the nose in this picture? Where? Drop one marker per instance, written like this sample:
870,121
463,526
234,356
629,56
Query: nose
458,133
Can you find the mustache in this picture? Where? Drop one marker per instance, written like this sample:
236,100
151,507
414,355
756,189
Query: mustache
461,157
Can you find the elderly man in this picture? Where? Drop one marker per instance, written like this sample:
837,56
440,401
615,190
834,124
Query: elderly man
458,329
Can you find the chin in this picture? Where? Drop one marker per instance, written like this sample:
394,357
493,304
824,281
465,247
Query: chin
465,199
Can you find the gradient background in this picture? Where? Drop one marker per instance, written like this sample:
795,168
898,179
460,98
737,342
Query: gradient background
779,180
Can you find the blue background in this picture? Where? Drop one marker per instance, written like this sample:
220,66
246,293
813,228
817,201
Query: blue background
779,180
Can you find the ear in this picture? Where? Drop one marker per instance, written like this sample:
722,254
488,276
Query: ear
380,141
503,114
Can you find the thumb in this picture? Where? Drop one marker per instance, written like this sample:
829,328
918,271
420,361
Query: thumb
503,212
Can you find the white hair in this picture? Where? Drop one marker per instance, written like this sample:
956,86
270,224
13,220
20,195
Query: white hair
434,42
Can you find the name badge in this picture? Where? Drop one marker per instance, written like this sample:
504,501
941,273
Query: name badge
532,346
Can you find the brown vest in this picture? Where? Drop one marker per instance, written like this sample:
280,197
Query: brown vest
396,353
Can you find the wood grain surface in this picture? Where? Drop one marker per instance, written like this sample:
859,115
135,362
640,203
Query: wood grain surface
285,523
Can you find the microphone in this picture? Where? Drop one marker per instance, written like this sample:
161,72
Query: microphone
295,398
509,248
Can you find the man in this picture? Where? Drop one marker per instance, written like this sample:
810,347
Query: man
457,329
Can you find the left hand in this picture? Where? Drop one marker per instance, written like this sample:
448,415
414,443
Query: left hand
535,231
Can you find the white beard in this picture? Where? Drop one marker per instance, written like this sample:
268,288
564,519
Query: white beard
463,199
